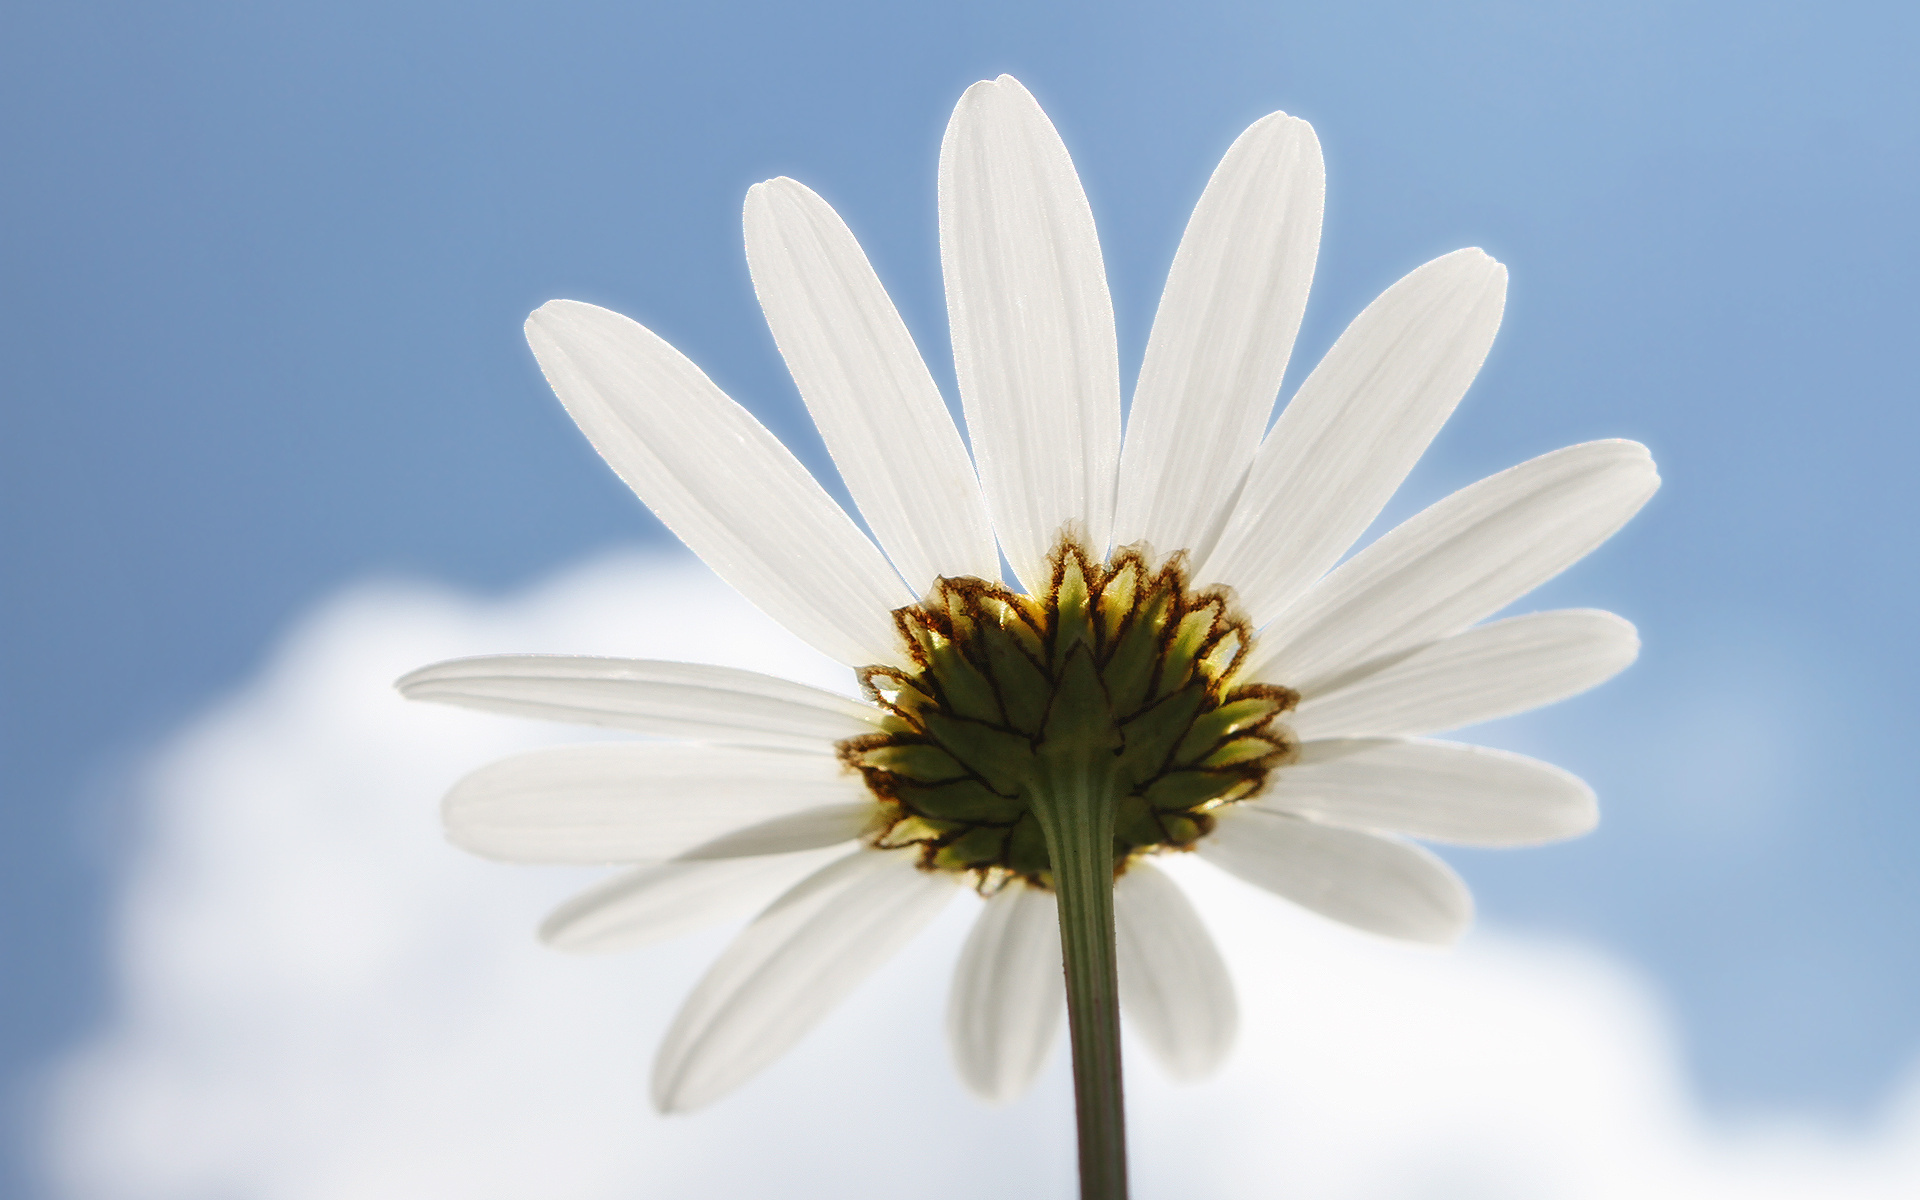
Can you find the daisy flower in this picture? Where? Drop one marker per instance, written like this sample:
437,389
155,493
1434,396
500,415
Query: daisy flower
1179,660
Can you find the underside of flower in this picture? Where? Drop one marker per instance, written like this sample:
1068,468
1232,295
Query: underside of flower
1117,672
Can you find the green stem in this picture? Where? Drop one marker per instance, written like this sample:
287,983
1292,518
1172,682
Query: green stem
1075,808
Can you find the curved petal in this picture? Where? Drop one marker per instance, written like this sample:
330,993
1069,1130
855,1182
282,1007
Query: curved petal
867,387
1173,985
1355,428
808,829
1489,671
720,481
1443,791
668,699
1221,339
620,802
785,971
1471,554
1033,341
1008,996
1373,883
663,900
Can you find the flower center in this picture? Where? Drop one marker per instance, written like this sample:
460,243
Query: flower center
1118,673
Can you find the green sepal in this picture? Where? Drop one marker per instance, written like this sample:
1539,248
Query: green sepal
1188,639
1072,626
1221,657
1177,791
1151,736
914,760
888,687
1183,829
910,830
969,692
962,800
1129,669
1134,824
1239,750
1003,759
1116,598
1023,685
1079,722
1014,619
1207,731
1027,848
979,847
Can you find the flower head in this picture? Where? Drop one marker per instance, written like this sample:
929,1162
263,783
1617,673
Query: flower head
1184,631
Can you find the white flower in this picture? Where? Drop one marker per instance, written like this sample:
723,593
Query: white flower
754,801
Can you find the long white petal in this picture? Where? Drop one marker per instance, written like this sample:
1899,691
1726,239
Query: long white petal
1174,987
1008,997
1033,341
1373,883
1489,671
1221,339
1462,559
785,971
808,829
668,699
620,802
662,900
1443,791
867,387
1355,427
720,481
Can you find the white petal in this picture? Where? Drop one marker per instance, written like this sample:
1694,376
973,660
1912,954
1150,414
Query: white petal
1008,996
867,387
1222,338
663,900
720,481
667,699
1174,987
1355,427
786,970
1470,555
621,802
1489,671
808,829
1439,790
1033,341
1373,883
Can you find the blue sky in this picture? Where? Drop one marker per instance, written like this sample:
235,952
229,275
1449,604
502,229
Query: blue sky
265,269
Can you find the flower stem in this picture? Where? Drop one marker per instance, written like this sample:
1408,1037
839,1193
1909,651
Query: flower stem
1073,797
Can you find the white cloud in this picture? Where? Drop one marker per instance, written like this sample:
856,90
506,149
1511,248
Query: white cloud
320,1000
